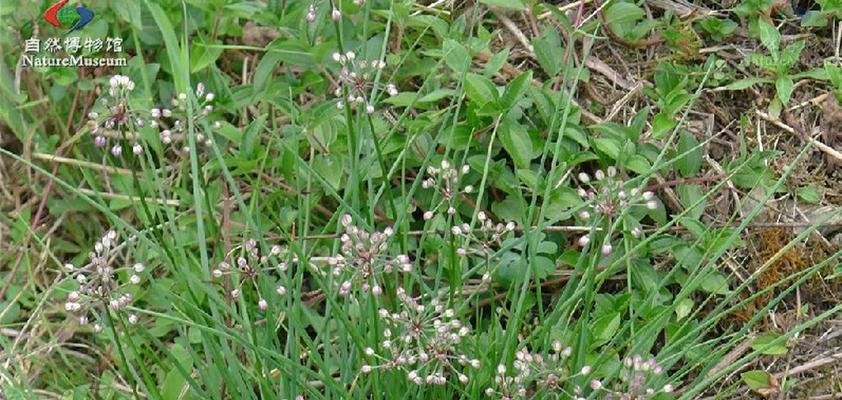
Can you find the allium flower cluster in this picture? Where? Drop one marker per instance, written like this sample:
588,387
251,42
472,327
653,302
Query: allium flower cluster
311,13
424,341
172,123
100,286
363,259
335,14
534,372
357,79
634,381
248,265
605,198
117,117
482,239
447,181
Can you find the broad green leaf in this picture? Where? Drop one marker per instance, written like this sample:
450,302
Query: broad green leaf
689,164
784,87
763,344
264,70
456,57
604,327
203,57
760,381
683,308
622,17
480,89
517,142
638,163
716,283
515,89
610,147
689,195
661,125
292,52
769,36
495,63
809,194
548,52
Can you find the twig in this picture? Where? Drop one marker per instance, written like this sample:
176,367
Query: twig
80,163
512,27
810,365
623,101
564,8
819,145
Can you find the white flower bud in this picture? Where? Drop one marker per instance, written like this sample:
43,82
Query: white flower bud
584,178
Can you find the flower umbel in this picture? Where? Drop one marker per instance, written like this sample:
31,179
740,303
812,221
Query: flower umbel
358,79
248,266
173,124
363,258
425,341
535,373
606,197
118,119
447,181
100,287
634,382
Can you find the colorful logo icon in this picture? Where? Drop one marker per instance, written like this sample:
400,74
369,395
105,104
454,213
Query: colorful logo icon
75,18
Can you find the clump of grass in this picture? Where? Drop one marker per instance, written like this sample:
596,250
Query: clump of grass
385,207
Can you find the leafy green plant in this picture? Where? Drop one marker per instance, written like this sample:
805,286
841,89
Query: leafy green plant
778,64
718,28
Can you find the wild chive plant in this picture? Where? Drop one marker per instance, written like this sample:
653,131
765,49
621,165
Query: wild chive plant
364,261
390,305
117,117
172,123
445,180
606,198
357,83
246,266
423,341
537,374
637,380
107,283
483,240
